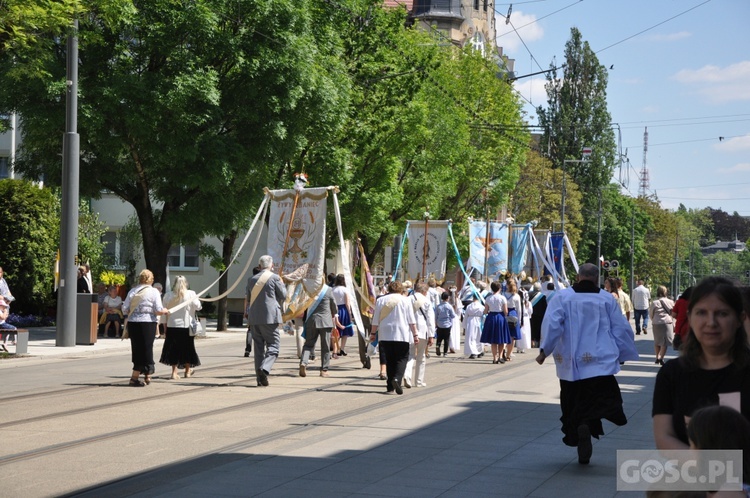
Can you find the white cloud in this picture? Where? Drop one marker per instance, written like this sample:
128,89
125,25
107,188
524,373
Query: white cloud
737,168
668,37
650,109
508,39
717,84
735,144
714,74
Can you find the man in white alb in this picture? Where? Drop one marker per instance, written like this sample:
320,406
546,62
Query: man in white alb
588,337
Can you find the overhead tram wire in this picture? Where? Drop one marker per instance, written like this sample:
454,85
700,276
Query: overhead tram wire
713,139
652,27
524,44
682,119
689,124
539,19
355,18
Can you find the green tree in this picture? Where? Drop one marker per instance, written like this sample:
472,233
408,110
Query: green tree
576,117
538,196
90,245
29,240
181,103
423,131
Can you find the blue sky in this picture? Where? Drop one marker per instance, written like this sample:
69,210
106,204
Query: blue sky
687,79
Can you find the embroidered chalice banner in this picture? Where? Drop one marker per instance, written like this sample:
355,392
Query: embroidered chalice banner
428,243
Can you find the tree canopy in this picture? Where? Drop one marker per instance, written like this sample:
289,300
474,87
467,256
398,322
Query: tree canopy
179,102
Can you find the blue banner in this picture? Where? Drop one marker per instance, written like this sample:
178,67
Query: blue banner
519,248
497,261
477,235
494,248
557,240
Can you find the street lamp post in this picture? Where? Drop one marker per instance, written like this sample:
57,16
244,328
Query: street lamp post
66,293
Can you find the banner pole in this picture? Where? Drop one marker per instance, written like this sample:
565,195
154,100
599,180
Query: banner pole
424,247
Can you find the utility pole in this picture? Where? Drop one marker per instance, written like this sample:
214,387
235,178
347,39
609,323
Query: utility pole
599,239
66,293
632,255
585,158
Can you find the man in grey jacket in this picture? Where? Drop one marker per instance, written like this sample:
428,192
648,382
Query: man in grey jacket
264,299
322,316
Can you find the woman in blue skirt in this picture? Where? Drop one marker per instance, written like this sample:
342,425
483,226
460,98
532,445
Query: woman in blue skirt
513,315
495,330
341,297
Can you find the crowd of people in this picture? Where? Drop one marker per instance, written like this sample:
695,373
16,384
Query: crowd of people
701,398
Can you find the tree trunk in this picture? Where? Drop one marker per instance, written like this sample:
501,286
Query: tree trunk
156,244
227,246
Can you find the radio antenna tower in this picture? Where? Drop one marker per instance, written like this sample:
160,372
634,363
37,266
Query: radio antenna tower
643,183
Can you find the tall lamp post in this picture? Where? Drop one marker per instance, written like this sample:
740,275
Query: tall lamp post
66,292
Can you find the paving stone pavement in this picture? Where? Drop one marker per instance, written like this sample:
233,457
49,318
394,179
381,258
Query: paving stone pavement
477,430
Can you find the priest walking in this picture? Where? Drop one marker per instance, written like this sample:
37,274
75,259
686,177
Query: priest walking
586,333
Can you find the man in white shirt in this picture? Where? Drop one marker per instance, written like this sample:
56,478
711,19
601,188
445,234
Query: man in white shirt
641,302
588,337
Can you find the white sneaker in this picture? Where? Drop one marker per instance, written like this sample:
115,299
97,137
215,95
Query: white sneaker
421,384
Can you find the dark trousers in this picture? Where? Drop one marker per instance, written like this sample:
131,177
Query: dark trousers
640,315
444,337
587,402
142,335
397,355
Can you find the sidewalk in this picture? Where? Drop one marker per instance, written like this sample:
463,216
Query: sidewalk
43,344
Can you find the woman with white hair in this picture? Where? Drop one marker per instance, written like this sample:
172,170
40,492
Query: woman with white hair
179,345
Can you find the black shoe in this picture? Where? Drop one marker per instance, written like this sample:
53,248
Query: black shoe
472,356
342,353
661,362
247,354
656,362
637,333
437,352
480,355
584,444
367,364
397,387
263,378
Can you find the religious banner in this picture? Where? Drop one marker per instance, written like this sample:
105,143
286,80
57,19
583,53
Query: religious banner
428,245
556,240
519,248
493,248
497,261
296,242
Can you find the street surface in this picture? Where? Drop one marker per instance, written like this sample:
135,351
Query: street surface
72,426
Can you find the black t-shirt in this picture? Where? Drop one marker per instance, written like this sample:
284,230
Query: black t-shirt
680,391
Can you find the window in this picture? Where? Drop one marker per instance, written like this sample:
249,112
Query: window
4,171
183,257
476,4
485,5
116,251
